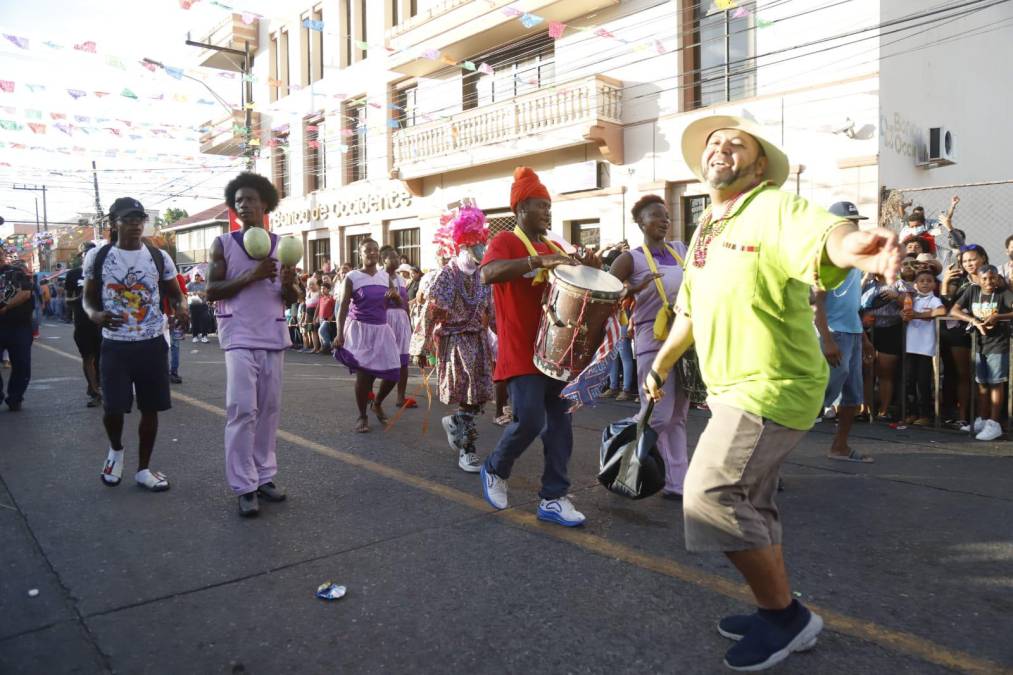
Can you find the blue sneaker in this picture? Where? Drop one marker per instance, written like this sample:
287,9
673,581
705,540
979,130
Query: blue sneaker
494,489
561,512
736,626
767,644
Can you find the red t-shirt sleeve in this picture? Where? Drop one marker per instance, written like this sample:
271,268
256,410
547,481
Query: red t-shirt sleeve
504,246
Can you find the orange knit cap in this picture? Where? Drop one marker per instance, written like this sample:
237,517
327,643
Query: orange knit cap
526,185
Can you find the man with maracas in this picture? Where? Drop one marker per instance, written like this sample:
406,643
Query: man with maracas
252,290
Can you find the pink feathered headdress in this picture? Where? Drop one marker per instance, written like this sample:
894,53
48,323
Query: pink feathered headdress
465,227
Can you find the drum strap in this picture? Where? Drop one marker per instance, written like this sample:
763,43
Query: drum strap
663,321
543,273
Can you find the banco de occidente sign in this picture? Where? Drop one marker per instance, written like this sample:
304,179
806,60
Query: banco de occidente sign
335,206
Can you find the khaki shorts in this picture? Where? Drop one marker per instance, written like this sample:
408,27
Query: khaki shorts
728,501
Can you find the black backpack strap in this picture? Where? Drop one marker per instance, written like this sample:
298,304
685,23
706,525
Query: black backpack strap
156,256
100,260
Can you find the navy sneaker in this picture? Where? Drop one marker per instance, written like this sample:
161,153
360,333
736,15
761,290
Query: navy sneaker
736,626
767,644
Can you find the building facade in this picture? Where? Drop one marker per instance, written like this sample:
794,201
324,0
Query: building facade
372,118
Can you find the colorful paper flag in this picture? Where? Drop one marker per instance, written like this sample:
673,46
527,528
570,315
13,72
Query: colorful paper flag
724,4
76,93
7,86
100,94
763,23
249,18
313,25
431,54
174,73
17,41
37,128
33,114
88,46
127,93
512,12
740,13
531,20
556,29
36,87
601,32
149,66
468,65
485,69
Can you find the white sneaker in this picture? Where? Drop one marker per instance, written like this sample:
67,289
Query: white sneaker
495,489
990,431
560,511
204,338
829,413
469,461
455,432
195,338
978,425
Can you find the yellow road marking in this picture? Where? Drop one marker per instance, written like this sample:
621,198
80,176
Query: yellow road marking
895,640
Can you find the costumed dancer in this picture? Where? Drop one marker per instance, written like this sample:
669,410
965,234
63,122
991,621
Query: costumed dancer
454,326
399,320
517,264
365,342
251,296
744,301
653,273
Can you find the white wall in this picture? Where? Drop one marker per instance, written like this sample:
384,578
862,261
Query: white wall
955,75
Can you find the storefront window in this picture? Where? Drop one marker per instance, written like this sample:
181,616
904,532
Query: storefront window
407,243
585,233
693,207
352,242
320,254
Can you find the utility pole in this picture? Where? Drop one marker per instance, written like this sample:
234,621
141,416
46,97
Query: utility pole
247,91
37,230
45,212
98,205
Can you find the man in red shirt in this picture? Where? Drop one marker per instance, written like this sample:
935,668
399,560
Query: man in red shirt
516,264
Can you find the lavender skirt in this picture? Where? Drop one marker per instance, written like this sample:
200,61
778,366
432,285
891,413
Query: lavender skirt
370,348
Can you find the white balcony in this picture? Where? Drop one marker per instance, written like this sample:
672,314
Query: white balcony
462,29
227,135
588,110
233,33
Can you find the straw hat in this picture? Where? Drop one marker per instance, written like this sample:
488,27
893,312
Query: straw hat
694,140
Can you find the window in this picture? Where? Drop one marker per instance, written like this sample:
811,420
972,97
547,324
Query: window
723,41
401,10
280,164
404,99
272,68
692,210
314,154
320,254
352,242
312,61
355,158
585,233
499,221
407,244
361,34
527,66
281,67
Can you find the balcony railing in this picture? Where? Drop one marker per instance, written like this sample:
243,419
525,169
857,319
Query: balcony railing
462,29
226,136
233,33
565,115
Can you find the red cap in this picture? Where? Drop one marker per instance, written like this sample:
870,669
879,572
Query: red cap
526,185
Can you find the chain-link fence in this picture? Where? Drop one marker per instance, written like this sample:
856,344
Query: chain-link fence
983,212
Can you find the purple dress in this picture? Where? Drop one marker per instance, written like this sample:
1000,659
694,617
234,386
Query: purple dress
669,417
370,345
399,321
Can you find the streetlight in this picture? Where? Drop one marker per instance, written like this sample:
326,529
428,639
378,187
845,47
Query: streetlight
37,225
246,97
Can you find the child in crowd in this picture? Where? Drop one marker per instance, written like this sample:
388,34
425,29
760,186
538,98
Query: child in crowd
987,307
921,345
398,319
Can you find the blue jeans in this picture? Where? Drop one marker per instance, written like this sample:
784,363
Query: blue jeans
327,336
538,411
624,353
17,340
174,340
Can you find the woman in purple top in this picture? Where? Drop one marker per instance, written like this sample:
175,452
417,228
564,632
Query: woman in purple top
641,270
398,319
365,342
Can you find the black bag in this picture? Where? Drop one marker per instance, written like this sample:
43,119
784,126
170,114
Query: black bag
630,464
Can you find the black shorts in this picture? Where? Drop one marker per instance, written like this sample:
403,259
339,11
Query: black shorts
887,339
88,338
140,366
955,337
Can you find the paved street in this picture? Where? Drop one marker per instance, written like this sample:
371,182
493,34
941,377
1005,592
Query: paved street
910,559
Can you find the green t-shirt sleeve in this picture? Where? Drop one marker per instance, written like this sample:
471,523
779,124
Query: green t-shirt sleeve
682,300
802,232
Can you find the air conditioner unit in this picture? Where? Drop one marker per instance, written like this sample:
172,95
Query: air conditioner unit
940,147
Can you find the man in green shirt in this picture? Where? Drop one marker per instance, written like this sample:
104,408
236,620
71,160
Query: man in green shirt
744,303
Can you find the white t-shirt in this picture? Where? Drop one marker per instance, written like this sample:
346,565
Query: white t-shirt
921,333
130,288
